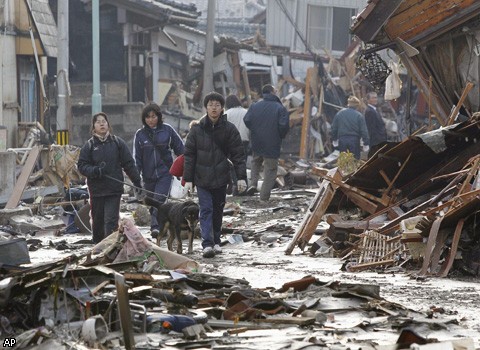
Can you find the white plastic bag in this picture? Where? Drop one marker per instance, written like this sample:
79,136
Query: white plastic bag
177,191
393,84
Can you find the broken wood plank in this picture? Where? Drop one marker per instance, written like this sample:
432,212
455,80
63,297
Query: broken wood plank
447,265
361,202
454,113
432,239
311,72
315,211
371,264
23,178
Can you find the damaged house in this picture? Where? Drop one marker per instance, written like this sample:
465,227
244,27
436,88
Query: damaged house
418,196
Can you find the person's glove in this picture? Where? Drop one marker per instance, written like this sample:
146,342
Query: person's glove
139,193
189,187
366,148
241,186
335,143
97,172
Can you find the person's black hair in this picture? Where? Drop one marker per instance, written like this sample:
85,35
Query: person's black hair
94,119
213,96
152,106
232,101
268,89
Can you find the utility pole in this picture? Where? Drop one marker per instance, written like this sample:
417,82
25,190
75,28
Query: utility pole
8,75
96,96
62,74
209,43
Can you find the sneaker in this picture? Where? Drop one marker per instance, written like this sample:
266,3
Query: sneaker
217,249
208,252
251,190
154,233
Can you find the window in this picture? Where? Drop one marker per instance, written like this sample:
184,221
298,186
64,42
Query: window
28,90
342,20
319,28
329,27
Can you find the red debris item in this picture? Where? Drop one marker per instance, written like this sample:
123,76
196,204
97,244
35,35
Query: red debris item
298,285
177,167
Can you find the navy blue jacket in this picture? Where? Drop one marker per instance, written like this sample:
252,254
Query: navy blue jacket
112,155
268,121
206,151
350,122
152,150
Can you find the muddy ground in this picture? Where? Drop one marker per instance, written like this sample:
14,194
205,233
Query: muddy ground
266,230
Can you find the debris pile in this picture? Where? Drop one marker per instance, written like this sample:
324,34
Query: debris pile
414,199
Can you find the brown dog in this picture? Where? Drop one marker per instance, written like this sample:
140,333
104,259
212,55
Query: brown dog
175,217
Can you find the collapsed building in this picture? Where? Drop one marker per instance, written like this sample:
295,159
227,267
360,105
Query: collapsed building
419,195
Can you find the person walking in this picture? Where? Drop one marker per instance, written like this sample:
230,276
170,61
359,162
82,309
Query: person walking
212,144
103,158
268,121
375,125
152,151
235,113
348,127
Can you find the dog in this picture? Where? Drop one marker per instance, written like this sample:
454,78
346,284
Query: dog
175,217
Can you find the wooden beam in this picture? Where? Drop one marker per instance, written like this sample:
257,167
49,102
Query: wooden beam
23,178
246,85
361,202
383,201
447,265
454,113
315,211
368,265
311,72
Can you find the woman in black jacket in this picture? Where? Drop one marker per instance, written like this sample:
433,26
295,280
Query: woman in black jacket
102,159
212,144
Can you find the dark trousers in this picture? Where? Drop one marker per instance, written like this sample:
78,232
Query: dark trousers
247,149
161,187
211,202
105,212
351,144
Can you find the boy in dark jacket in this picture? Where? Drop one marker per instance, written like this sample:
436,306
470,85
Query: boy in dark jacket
212,143
105,156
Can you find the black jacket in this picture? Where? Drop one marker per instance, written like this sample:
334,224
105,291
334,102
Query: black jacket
376,126
113,155
206,151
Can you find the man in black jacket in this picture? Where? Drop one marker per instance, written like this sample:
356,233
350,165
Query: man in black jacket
375,125
212,144
268,121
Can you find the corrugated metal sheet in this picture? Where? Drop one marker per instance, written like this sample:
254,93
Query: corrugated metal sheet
45,24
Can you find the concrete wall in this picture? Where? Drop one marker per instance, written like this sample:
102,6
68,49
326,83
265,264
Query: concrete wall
125,120
124,117
7,172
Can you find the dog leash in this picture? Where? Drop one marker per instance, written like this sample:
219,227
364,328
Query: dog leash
135,187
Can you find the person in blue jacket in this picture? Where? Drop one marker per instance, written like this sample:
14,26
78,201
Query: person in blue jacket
268,121
348,127
152,150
